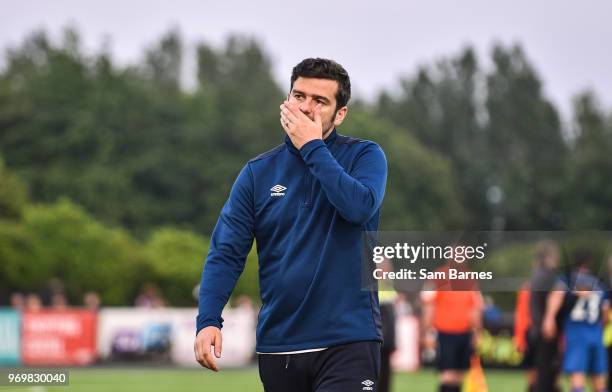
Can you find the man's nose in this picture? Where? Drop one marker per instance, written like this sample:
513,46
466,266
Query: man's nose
306,106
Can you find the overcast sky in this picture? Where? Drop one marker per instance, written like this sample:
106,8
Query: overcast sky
570,42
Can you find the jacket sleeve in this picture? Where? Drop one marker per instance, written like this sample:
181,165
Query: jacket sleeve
230,244
357,195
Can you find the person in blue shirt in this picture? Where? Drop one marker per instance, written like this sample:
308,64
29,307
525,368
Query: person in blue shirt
307,203
587,303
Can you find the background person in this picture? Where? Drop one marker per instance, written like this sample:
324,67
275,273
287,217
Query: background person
543,279
149,297
523,339
17,301
585,353
456,317
33,303
91,300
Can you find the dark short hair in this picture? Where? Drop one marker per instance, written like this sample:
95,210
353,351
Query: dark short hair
583,258
325,69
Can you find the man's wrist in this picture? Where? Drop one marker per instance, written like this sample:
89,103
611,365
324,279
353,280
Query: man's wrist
310,146
202,323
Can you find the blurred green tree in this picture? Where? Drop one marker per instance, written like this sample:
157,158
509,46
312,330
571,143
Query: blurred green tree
20,256
413,199
136,149
13,194
176,263
84,254
244,100
442,106
527,153
591,188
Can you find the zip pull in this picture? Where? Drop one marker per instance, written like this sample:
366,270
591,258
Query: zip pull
308,189
287,361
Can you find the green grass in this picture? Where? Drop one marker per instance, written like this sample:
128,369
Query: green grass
161,380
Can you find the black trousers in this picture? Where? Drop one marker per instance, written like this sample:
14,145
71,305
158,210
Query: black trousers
348,367
547,363
384,381
387,315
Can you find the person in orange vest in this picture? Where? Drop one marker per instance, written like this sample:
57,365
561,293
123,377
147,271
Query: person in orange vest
523,338
454,311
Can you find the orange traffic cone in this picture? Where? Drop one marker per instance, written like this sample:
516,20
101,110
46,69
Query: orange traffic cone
475,380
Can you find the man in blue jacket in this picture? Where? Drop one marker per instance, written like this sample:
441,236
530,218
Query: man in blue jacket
307,203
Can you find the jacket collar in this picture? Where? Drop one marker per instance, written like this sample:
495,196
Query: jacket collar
329,140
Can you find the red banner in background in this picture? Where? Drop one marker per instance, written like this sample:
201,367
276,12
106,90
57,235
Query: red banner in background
59,337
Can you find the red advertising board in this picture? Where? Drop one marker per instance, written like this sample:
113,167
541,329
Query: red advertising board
59,337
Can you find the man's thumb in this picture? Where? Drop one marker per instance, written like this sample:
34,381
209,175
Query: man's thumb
218,345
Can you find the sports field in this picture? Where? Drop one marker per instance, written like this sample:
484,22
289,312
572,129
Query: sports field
158,380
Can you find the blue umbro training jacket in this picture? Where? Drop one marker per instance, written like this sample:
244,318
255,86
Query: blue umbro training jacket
307,210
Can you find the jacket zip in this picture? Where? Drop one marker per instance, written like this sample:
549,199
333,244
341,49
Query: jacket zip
307,189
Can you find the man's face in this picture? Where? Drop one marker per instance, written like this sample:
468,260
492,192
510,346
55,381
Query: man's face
311,92
552,259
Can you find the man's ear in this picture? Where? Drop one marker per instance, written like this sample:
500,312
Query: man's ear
340,115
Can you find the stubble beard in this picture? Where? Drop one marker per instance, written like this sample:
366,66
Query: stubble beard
328,126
